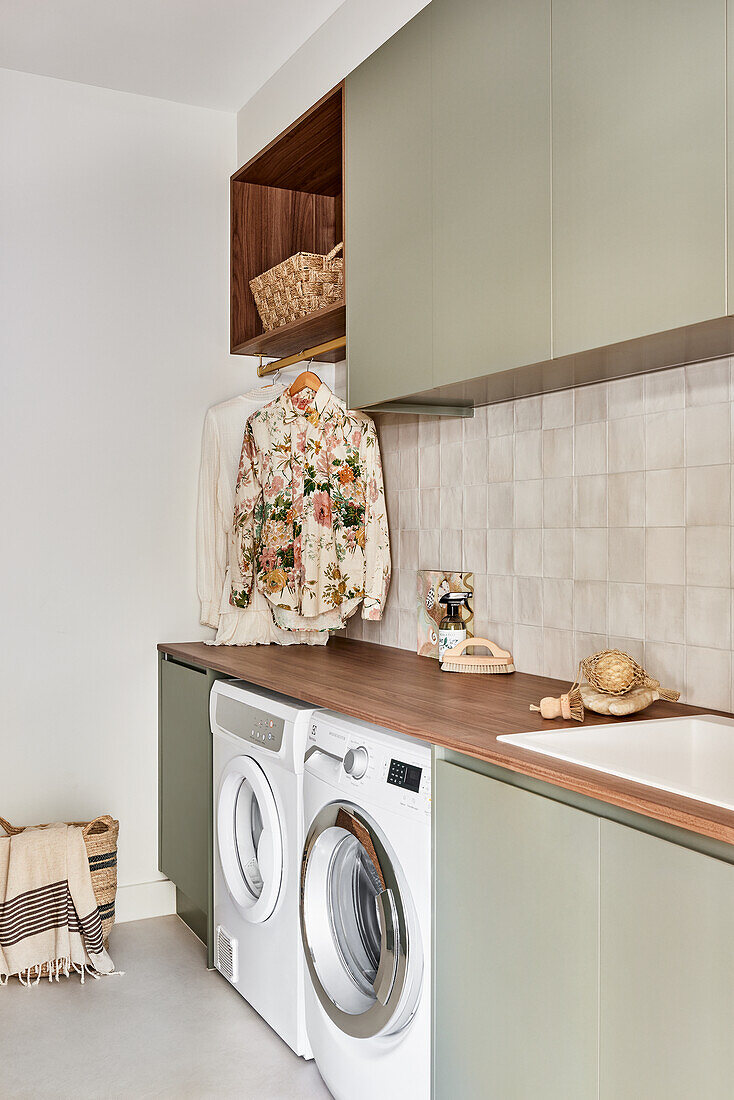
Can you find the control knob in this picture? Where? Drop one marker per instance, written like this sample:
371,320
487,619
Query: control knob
356,761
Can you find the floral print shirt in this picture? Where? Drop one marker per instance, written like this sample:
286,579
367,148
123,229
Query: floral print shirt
310,525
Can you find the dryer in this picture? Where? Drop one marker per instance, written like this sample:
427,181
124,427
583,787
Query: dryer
365,909
259,740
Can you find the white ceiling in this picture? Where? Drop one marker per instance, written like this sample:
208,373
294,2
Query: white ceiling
210,53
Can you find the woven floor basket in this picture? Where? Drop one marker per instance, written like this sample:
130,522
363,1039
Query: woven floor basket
298,286
100,838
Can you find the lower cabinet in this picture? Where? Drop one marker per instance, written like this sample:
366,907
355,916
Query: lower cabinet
574,956
185,791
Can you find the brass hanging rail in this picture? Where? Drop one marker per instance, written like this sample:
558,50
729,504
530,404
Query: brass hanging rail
301,356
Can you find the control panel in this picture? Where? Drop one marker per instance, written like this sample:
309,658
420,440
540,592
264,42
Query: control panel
249,723
405,775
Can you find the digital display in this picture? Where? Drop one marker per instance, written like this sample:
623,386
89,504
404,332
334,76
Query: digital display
405,775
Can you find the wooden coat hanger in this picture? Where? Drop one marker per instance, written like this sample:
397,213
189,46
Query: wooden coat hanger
305,380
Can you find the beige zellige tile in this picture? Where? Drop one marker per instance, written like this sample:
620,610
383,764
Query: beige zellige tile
528,455
452,458
558,553
475,461
558,409
451,430
558,603
528,600
665,613
665,555
626,610
627,554
626,444
626,503
409,510
480,602
429,506
390,626
371,631
429,467
708,433
475,505
529,503
590,607
591,501
475,551
500,599
708,617
528,553
528,413
665,389
590,403
500,504
586,643
665,498
408,631
500,552
707,383
558,502
667,663
428,431
501,419
500,458
451,550
590,554
451,510
409,468
634,646
708,677
708,495
558,653
590,444
624,397
558,452
664,439
527,649
428,550
406,586
475,427
708,560
391,469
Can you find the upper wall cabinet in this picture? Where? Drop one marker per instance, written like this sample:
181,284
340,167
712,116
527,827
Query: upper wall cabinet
388,246
491,186
639,180
287,199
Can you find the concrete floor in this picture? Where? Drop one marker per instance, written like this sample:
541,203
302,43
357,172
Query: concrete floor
168,1028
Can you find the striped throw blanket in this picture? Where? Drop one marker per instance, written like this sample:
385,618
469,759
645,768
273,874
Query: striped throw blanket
49,921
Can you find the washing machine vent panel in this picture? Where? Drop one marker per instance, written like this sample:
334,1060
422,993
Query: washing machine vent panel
225,955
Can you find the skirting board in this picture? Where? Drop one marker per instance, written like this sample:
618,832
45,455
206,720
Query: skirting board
145,899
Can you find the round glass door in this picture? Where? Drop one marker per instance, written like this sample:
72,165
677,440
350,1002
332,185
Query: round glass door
249,838
360,935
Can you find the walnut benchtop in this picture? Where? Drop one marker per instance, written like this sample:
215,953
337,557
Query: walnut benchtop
404,692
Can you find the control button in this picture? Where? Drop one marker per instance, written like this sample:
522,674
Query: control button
270,737
356,761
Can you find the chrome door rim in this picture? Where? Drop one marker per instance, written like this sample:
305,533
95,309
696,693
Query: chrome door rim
391,1010
255,908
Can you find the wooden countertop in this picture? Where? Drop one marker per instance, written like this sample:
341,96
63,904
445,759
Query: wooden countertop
404,692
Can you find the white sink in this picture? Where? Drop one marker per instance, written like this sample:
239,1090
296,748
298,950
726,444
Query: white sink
688,756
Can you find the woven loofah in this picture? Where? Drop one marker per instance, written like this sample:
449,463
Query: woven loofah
614,673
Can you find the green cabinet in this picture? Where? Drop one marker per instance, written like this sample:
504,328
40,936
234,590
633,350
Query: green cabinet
490,66
185,790
639,173
388,222
516,894
575,953
666,970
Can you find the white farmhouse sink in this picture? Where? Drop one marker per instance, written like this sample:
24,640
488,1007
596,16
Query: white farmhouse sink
688,756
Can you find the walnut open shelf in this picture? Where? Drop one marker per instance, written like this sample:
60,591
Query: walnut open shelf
288,199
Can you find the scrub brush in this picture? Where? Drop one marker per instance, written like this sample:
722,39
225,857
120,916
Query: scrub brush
568,706
455,660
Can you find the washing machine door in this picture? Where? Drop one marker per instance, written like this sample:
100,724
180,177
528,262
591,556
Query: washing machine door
249,838
360,933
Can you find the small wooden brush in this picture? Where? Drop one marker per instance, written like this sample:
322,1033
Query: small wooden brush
455,660
568,706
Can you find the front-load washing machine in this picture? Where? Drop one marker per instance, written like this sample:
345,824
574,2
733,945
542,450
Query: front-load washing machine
366,909
259,746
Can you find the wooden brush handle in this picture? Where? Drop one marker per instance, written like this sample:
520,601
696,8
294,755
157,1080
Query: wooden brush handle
491,646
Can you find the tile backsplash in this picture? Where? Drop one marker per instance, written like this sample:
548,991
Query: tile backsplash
592,518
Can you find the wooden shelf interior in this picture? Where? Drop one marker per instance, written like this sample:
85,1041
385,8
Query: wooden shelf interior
285,200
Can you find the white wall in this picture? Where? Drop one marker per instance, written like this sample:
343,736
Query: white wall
113,342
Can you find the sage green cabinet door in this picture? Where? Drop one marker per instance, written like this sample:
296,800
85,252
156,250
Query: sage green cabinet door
639,174
515,942
667,970
388,241
491,177
185,780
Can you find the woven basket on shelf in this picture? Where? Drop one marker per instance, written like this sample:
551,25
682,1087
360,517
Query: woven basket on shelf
100,839
298,286
614,673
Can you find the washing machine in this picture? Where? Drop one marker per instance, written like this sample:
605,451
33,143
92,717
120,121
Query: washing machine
259,745
365,909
